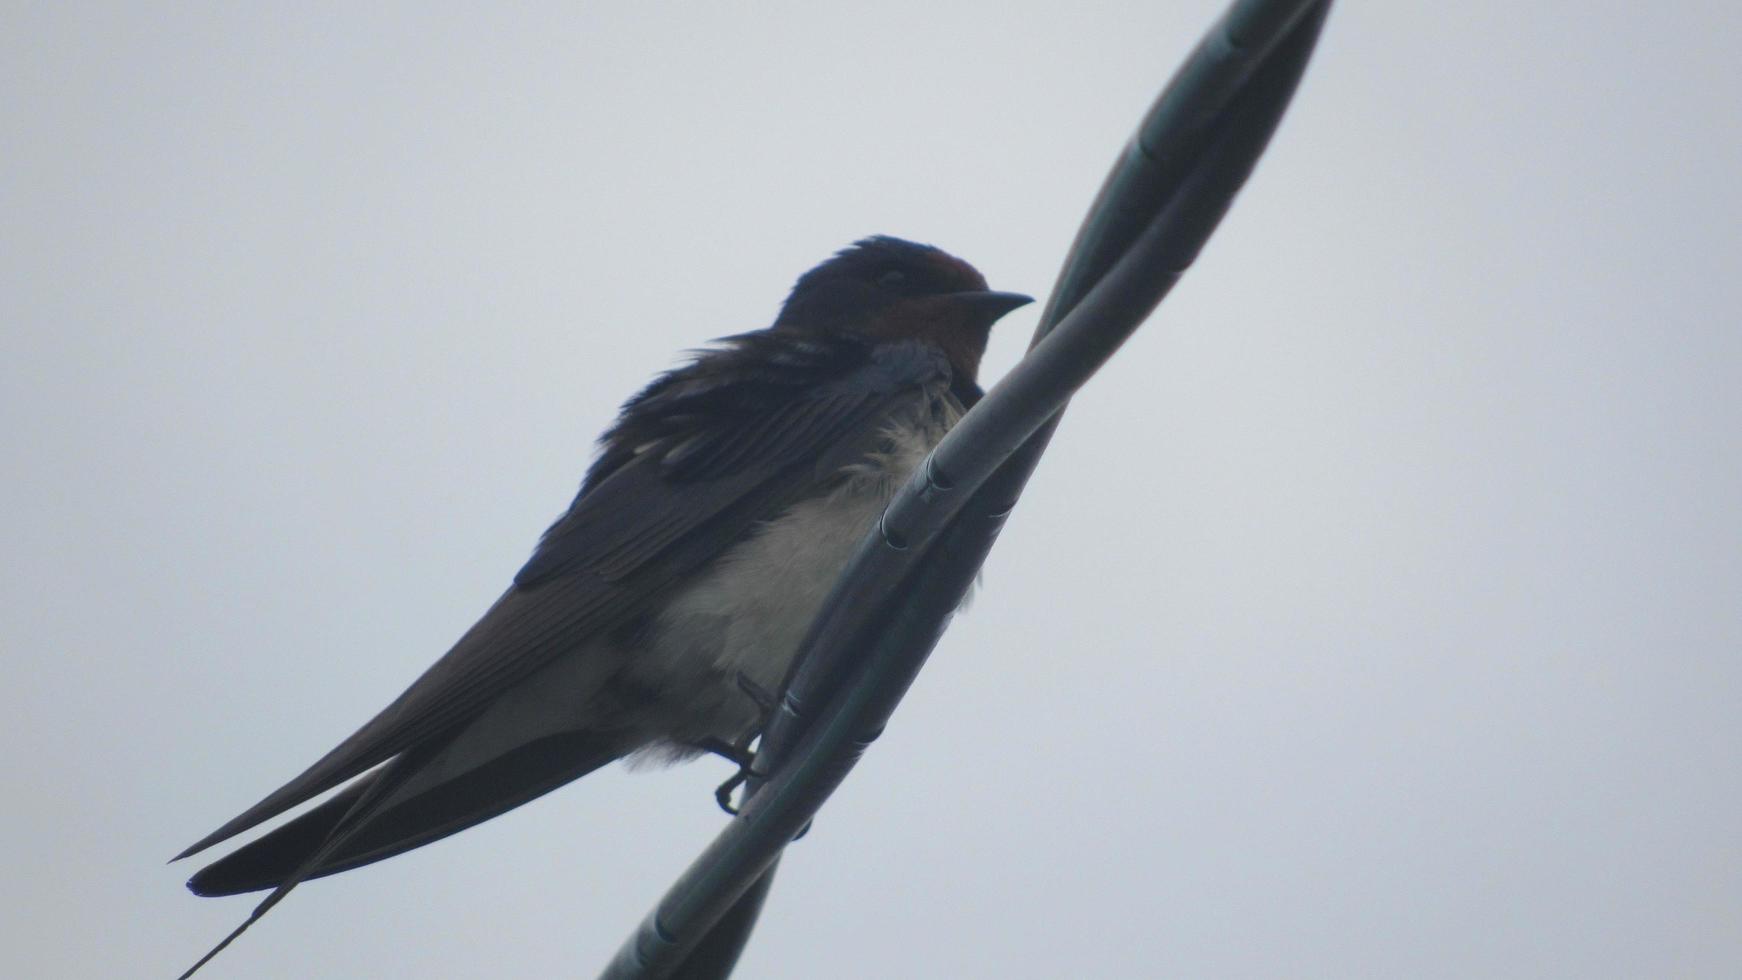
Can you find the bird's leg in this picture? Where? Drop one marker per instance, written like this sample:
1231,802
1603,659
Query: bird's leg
757,694
723,792
739,751
730,751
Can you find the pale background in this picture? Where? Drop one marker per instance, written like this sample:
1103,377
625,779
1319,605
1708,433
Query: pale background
1375,613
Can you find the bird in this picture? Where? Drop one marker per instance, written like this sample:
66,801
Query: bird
658,610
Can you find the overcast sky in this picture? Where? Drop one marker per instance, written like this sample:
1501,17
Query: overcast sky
1375,612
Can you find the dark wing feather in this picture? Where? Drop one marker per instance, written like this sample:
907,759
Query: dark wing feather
502,784
647,516
761,408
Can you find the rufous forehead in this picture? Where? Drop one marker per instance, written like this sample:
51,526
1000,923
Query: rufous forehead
954,268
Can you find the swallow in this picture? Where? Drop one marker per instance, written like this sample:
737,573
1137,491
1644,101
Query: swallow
721,506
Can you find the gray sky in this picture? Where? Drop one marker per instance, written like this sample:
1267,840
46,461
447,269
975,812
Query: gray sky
1374,613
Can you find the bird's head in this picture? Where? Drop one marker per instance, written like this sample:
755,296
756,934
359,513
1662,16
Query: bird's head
884,288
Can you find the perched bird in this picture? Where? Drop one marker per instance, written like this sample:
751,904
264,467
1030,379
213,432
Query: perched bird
723,503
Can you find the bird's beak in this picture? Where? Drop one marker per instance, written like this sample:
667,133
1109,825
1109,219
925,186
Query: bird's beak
989,304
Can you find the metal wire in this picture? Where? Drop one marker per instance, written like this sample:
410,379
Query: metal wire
1167,192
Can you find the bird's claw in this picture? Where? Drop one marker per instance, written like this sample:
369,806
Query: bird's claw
735,752
723,793
739,751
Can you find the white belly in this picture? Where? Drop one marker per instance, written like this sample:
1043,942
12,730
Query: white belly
749,613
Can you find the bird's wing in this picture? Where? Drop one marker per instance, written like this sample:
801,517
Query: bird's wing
406,819
665,508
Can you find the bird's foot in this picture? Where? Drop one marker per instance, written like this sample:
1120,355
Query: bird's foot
738,752
723,792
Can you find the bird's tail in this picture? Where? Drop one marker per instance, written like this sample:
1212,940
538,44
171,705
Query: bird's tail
408,802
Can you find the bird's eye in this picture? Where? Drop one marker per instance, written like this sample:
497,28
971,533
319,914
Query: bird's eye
890,278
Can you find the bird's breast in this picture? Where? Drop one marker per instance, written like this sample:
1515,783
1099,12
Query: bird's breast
750,611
